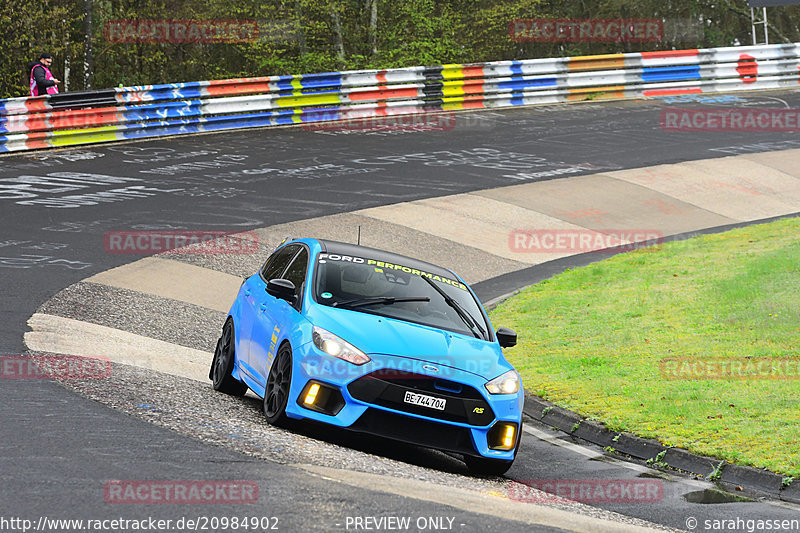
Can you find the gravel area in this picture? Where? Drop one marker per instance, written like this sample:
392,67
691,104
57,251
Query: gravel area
196,410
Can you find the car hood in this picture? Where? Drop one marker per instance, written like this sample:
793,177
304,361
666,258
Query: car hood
378,335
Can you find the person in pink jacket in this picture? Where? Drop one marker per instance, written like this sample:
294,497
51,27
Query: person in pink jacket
42,80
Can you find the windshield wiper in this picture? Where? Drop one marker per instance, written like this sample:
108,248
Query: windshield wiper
385,300
465,316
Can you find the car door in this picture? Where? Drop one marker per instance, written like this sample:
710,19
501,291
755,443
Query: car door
252,299
276,317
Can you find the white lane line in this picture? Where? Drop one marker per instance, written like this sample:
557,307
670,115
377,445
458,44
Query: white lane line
55,334
474,502
577,448
168,278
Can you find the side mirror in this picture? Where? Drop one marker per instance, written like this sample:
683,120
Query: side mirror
506,337
282,289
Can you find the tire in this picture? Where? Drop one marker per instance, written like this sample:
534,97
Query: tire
279,380
221,372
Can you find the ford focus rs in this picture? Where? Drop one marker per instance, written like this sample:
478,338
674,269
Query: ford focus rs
377,343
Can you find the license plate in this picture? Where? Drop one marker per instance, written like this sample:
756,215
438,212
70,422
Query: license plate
425,401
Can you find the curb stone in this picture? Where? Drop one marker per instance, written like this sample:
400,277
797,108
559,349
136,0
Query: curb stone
791,493
689,462
535,406
753,479
595,432
561,418
756,478
638,447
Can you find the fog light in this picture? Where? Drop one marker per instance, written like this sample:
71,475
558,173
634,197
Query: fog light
312,394
508,440
503,436
322,398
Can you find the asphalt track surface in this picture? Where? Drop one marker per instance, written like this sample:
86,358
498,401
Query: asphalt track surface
59,448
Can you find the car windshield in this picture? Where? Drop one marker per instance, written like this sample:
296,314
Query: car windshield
397,291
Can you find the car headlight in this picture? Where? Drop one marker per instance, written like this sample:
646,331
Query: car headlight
338,347
507,383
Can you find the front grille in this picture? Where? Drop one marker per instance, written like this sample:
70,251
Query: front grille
415,431
387,388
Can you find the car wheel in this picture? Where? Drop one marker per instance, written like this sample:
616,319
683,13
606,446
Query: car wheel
276,394
222,365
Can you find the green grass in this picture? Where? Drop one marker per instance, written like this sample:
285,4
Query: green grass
592,339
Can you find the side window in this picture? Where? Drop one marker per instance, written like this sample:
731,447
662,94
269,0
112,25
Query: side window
297,271
278,262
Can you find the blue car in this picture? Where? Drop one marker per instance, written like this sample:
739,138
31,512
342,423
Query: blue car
377,343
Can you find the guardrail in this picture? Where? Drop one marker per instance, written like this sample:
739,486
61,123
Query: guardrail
156,110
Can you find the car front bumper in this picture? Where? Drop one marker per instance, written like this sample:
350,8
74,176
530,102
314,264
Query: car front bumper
371,399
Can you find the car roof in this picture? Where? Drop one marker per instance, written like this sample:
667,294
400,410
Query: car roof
353,250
